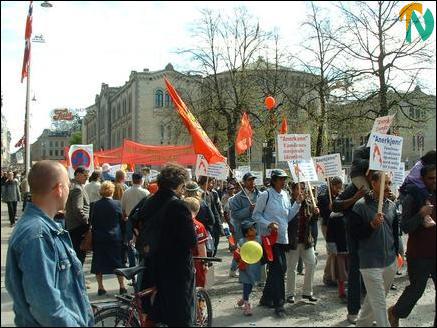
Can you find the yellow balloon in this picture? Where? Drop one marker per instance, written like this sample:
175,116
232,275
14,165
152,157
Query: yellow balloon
251,252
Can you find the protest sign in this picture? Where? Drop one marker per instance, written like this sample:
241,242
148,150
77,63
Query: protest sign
303,170
129,176
399,175
328,166
218,171
385,152
381,125
80,155
293,147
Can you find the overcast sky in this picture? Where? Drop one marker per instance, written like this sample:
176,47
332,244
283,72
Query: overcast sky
90,43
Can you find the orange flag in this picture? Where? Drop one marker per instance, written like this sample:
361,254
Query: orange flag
244,136
284,126
201,142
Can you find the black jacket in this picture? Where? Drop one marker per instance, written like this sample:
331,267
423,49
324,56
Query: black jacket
174,262
294,227
360,161
105,220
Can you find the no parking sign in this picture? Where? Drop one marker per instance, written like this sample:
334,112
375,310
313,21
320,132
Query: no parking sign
80,155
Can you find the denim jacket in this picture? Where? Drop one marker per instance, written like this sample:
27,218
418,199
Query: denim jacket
43,275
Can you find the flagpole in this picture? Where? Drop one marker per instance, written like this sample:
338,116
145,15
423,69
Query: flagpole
249,157
27,124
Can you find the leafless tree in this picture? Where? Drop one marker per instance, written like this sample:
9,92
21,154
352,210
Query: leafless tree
385,66
226,47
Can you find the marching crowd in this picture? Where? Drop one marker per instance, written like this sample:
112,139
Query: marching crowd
163,223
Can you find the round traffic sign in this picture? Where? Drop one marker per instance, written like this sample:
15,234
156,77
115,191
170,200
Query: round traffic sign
80,157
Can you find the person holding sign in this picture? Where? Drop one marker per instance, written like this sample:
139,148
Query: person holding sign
301,244
272,212
419,221
378,247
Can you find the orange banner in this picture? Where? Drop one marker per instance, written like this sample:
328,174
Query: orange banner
135,153
201,142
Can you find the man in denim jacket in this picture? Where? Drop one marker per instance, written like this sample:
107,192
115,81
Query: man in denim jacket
43,275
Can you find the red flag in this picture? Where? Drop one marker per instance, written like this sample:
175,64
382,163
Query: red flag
244,136
27,36
201,142
284,126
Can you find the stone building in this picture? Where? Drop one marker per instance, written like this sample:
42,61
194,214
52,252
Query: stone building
140,110
49,145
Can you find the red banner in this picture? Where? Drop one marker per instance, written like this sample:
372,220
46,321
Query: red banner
136,153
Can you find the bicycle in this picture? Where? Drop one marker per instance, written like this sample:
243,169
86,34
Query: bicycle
127,310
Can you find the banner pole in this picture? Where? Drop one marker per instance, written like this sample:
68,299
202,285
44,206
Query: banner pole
311,194
239,183
381,191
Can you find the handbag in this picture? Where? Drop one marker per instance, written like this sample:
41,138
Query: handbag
86,244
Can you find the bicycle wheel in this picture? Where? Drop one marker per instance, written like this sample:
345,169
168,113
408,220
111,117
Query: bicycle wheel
115,317
203,309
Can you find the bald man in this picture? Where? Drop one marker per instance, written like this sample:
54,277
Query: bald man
44,277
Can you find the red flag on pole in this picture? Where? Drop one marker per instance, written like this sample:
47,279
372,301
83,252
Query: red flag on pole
284,126
244,136
201,142
27,36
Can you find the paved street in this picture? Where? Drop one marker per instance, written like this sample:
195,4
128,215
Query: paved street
329,311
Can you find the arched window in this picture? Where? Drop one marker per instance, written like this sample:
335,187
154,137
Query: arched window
159,98
167,100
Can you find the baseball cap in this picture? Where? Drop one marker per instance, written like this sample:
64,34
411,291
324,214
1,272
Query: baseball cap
248,176
279,173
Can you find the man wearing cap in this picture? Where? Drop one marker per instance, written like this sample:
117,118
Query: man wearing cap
129,200
242,204
273,211
77,211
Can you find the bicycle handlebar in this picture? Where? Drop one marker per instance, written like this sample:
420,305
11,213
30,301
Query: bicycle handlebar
207,259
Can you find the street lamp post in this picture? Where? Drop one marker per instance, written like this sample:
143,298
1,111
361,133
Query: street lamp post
27,162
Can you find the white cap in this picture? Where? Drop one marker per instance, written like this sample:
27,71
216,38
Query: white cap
105,167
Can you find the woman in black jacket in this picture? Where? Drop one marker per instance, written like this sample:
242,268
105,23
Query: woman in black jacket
171,258
107,239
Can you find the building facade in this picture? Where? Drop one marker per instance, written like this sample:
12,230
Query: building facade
140,110
49,145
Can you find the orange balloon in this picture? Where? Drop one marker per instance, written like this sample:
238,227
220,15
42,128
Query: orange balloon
270,102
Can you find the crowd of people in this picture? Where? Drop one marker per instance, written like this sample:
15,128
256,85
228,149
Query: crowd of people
163,223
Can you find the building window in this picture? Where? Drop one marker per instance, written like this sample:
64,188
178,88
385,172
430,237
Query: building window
129,132
56,144
118,110
51,144
124,106
62,153
162,134
62,144
129,103
167,100
56,153
159,98
50,153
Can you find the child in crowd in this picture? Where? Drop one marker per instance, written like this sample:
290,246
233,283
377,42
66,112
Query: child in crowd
194,205
250,274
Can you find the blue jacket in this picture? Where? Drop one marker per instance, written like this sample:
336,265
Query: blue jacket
105,220
240,211
43,275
